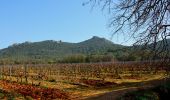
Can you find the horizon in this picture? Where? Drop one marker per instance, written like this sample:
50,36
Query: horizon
52,20
62,41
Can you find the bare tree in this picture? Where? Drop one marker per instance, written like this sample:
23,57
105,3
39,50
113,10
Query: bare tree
146,21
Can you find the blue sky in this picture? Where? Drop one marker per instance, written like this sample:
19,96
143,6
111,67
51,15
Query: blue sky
38,20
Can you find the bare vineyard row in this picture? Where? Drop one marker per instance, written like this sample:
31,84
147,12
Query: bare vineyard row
71,72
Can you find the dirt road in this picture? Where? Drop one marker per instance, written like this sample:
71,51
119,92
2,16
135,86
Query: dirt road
120,92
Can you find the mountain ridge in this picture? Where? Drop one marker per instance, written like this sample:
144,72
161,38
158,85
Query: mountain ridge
50,49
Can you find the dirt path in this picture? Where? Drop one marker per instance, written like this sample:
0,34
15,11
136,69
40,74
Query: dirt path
120,92
114,94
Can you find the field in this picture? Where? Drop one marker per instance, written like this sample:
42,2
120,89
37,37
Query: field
76,81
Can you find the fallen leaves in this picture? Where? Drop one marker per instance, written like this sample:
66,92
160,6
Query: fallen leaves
34,91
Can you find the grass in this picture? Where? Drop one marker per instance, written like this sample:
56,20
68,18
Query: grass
160,92
141,95
4,95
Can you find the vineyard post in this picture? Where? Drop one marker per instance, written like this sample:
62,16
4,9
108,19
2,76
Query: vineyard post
21,73
17,74
1,72
6,73
10,72
25,73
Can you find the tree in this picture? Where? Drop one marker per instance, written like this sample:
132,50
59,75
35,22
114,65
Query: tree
146,21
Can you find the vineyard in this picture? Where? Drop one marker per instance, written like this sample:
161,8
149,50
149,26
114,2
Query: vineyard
34,80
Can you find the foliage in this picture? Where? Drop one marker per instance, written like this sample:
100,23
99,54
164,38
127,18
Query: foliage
93,50
53,51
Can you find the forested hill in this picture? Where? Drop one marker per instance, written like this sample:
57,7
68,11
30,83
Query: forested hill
95,49
53,50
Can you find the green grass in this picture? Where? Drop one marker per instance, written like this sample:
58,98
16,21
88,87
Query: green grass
161,92
141,95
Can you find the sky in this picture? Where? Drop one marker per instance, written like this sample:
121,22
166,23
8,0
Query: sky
39,20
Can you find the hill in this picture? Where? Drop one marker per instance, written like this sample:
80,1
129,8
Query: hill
95,49
55,50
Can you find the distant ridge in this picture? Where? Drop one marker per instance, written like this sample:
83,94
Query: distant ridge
51,49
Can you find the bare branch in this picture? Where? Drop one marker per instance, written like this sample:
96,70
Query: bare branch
148,21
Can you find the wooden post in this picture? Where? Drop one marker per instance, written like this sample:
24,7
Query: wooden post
10,72
1,72
25,73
